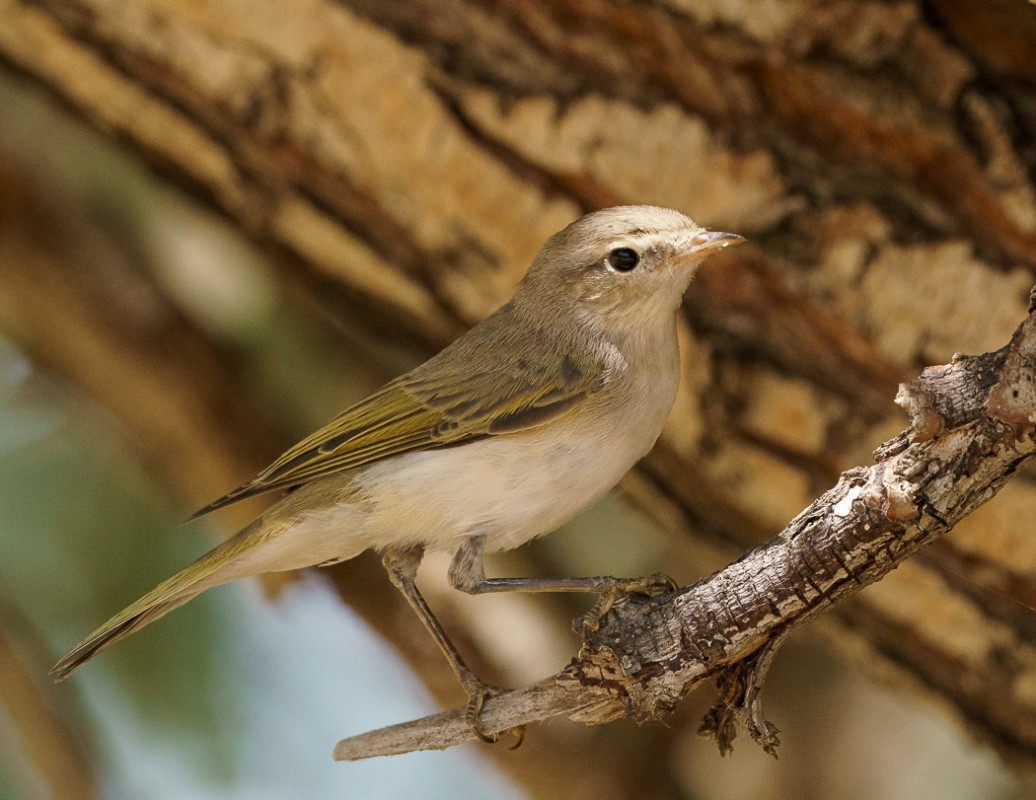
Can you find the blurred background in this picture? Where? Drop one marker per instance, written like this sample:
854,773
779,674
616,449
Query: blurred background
193,278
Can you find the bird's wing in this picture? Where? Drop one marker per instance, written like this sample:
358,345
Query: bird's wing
433,408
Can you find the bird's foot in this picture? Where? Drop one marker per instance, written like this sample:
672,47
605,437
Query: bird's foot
616,589
478,692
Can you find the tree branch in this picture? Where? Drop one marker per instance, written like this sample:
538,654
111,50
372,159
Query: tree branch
973,422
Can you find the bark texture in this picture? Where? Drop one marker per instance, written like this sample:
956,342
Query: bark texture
410,158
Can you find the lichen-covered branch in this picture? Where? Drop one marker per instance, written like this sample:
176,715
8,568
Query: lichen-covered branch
973,423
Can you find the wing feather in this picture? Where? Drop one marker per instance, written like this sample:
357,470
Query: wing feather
437,405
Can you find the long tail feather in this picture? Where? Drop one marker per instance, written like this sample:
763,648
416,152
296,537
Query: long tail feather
117,628
256,549
217,566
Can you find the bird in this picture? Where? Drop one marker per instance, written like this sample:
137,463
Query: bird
530,416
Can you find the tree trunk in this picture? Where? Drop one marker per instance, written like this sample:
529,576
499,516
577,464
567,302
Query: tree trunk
410,158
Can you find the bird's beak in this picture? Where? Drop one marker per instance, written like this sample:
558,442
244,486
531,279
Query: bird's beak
710,241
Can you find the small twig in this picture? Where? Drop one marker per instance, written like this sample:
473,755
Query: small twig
557,695
973,422
740,702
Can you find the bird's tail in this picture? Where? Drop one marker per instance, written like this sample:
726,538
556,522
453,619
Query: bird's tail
275,541
119,627
221,564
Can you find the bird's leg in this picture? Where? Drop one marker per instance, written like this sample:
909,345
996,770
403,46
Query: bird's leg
401,565
467,573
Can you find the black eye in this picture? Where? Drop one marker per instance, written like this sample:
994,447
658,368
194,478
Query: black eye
623,259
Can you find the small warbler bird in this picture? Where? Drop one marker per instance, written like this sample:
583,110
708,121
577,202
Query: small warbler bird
527,418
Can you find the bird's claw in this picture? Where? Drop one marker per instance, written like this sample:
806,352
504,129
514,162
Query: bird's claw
651,585
477,695
478,692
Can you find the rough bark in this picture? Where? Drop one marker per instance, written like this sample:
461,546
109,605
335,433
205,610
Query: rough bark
411,157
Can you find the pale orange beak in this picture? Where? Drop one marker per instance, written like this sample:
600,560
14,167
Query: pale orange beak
710,241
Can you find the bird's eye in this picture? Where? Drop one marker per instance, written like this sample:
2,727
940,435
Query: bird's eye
623,259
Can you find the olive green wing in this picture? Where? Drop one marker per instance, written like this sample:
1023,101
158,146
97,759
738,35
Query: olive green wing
430,409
